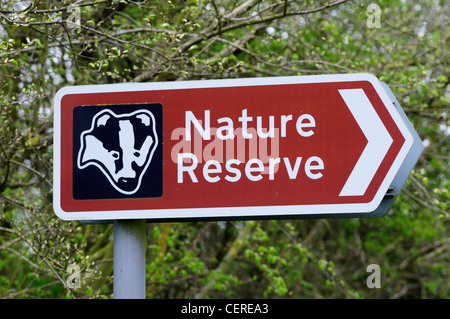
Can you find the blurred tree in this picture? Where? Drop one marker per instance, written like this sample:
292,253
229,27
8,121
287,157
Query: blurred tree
45,45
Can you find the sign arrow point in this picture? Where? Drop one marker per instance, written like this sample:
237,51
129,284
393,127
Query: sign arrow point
379,142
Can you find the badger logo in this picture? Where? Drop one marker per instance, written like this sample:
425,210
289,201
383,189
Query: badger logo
121,146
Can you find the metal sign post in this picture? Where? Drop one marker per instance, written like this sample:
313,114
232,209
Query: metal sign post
129,259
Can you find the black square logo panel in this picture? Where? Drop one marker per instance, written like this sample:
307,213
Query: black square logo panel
117,151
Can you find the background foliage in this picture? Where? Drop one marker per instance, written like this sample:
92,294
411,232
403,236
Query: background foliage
43,47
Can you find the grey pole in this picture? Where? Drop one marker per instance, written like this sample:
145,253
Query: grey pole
129,259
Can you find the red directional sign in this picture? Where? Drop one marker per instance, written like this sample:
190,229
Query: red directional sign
243,148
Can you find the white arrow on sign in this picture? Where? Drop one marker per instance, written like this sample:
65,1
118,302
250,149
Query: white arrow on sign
379,142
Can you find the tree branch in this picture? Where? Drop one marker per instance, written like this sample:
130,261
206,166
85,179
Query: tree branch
226,262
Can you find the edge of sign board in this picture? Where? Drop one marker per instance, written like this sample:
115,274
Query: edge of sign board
408,164
223,213
180,85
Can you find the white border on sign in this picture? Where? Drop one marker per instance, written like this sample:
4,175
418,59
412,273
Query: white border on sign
227,212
